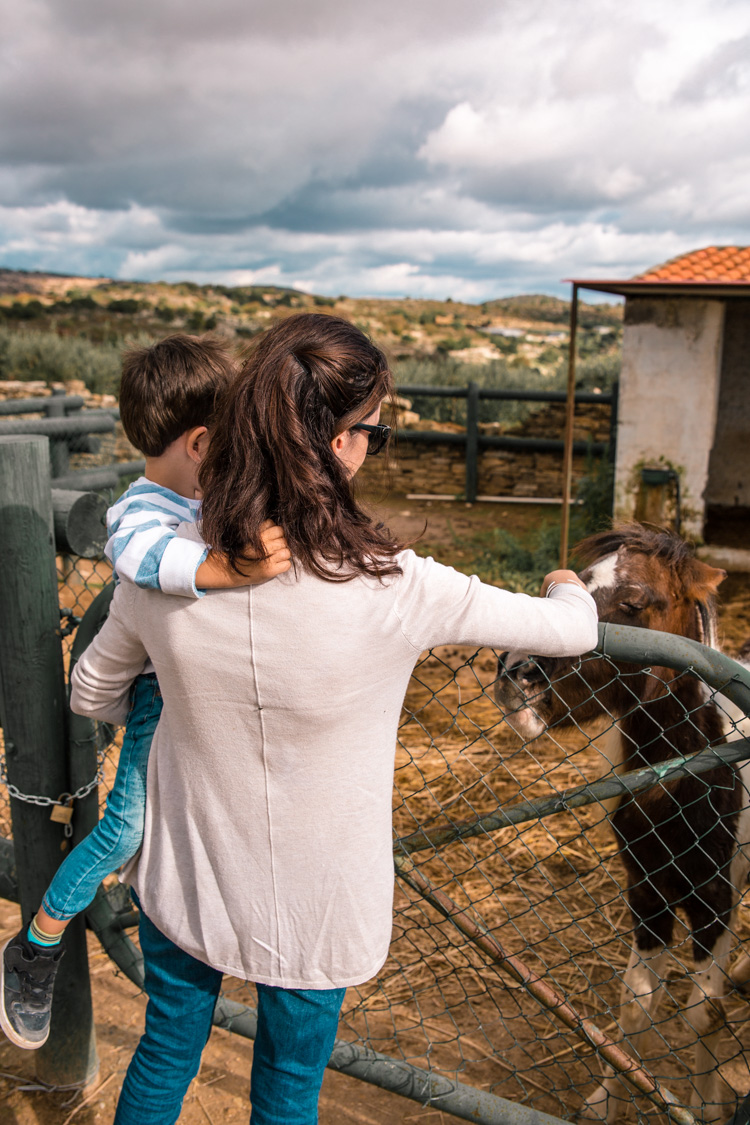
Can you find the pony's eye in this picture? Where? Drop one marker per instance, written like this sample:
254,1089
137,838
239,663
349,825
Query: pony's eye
629,607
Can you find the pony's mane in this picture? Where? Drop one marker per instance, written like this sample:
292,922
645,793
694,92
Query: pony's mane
644,538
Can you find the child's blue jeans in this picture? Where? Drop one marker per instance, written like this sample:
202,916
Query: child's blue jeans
119,834
296,1033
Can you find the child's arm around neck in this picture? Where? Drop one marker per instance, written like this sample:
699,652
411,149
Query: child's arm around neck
144,547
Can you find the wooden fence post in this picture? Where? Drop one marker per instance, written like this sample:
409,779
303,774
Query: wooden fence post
59,450
33,689
472,442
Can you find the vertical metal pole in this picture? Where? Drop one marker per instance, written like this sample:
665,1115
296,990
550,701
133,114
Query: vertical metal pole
472,442
33,688
569,417
613,421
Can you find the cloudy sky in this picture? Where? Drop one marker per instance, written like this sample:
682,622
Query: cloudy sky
464,148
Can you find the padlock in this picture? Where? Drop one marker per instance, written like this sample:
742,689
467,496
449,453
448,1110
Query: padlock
62,813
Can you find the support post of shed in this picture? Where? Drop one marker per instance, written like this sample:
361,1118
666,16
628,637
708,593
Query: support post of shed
34,718
569,418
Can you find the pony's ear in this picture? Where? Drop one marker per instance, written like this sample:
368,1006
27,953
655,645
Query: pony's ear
704,579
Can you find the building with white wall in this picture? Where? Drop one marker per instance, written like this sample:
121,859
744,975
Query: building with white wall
685,388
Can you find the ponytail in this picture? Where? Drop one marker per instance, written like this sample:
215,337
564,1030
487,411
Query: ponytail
310,378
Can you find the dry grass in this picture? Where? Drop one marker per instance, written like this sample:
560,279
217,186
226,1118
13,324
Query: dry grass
550,891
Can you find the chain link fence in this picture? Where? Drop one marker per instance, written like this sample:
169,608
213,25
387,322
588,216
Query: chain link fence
512,929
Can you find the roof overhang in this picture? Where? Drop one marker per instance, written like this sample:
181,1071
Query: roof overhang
718,290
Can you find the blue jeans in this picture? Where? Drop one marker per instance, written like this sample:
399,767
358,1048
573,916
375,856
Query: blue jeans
119,834
296,1033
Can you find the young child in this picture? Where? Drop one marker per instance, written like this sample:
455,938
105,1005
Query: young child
167,399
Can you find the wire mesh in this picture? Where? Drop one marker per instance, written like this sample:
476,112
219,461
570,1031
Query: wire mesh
551,891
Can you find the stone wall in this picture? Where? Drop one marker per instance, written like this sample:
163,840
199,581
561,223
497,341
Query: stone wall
435,469
441,469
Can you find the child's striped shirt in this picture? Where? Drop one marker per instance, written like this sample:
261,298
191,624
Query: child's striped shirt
143,544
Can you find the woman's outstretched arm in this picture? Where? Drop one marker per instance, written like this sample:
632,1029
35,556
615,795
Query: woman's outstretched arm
438,605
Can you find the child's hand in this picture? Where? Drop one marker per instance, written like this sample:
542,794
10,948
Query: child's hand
276,560
215,573
556,577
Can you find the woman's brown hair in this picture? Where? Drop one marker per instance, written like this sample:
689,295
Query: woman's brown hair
309,378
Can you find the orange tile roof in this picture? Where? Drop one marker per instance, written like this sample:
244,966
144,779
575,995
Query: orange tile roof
712,264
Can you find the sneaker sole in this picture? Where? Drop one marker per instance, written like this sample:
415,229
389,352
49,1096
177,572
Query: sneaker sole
11,1033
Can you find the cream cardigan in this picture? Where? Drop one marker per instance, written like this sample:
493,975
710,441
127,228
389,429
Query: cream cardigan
267,850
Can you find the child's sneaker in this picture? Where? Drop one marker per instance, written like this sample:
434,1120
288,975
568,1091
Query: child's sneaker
27,978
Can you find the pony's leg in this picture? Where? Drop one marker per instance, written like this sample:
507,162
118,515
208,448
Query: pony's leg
640,988
704,1013
739,974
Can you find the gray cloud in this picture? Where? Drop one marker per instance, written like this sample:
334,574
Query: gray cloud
347,146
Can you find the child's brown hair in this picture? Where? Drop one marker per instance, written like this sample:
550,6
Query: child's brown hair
170,387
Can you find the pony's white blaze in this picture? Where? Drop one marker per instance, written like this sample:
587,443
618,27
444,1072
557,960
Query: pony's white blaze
603,574
526,723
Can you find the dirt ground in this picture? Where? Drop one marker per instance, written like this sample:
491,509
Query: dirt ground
542,878
218,1096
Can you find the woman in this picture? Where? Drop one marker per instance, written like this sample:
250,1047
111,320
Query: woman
267,851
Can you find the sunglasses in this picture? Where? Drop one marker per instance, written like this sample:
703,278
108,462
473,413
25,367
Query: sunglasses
377,436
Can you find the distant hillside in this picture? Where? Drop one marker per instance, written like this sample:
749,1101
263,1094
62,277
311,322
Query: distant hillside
32,281
527,333
555,311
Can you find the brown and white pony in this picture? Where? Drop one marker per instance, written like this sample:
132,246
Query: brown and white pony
683,843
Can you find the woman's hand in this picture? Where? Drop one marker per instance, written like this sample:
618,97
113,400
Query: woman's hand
556,577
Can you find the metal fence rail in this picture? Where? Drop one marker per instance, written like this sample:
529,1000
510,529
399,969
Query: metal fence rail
500,1001
70,430
474,440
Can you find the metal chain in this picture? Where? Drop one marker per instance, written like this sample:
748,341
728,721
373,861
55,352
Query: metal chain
72,621
32,799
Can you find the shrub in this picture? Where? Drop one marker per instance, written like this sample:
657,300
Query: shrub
454,344
19,310
443,371
503,559
598,371
26,354
595,494
127,305
86,302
